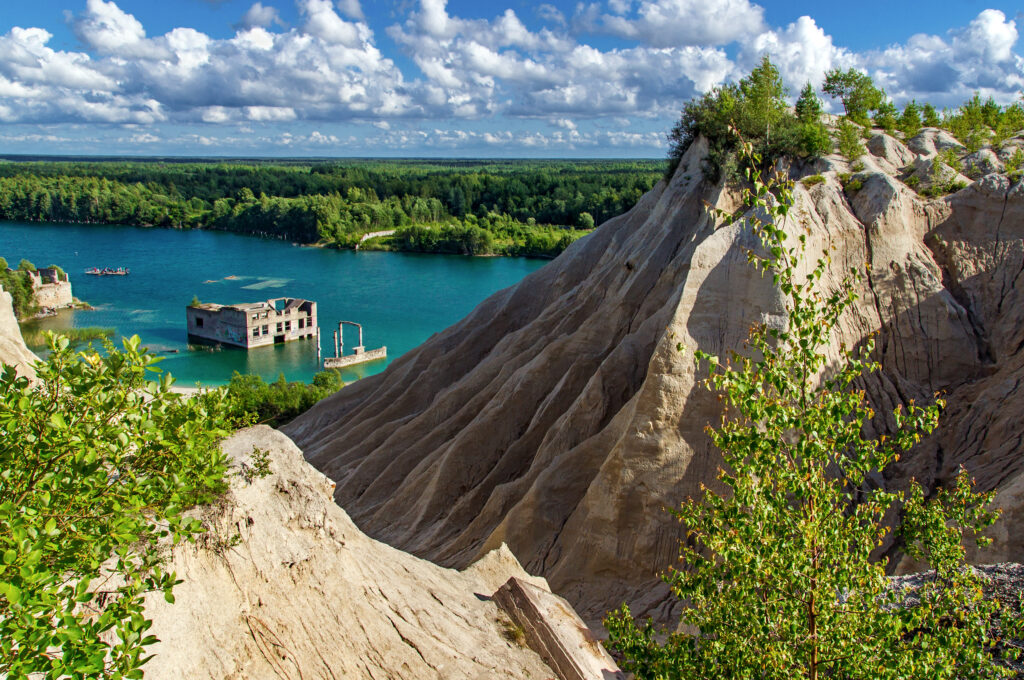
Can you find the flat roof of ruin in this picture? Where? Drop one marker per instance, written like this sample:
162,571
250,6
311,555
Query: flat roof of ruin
252,306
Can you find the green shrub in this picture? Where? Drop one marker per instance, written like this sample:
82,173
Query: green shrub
278,402
951,158
98,464
886,117
19,285
811,180
1015,163
930,117
849,140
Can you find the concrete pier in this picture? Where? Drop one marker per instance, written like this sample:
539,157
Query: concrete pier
359,354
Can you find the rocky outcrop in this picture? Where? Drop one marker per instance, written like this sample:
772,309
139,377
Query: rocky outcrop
561,418
931,141
283,585
13,351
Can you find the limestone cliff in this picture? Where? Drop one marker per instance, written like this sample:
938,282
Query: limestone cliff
283,585
560,418
13,350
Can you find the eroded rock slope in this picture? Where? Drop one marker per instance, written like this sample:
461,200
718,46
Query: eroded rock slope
283,585
560,418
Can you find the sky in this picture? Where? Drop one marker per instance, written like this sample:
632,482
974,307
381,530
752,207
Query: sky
455,78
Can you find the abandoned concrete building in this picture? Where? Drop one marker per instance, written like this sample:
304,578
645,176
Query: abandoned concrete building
253,324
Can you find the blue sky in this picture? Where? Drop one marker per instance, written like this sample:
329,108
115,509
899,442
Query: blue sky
598,78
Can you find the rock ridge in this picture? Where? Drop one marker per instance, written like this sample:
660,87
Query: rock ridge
560,418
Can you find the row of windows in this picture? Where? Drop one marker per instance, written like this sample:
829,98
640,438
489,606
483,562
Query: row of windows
287,326
258,316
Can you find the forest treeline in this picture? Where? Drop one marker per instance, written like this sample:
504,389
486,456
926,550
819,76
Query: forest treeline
483,207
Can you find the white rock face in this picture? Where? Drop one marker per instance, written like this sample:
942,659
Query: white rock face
982,162
891,150
285,586
931,141
560,418
13,351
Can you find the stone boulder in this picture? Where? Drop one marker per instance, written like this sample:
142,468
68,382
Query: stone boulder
891,150
980,163
931,141
930,172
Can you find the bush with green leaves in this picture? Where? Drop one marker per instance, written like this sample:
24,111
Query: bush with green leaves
778,577
280,401
1015,163
98,464
18,283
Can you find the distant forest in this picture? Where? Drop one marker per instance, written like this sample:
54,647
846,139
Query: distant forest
531,208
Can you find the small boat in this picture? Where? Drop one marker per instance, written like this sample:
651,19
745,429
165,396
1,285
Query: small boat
107,271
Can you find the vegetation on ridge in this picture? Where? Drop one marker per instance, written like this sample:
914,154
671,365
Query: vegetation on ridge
777,577
472,207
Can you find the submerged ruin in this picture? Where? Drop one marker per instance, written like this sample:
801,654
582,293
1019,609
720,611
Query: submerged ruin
253,324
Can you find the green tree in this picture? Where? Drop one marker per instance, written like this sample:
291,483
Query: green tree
856,90
586,221
756,106
26,266
848,137
886,116
808,106
762,100
910,119
777,578
98,464
930,117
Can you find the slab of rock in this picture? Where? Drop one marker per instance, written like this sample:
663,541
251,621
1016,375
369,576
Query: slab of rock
556,632
285,586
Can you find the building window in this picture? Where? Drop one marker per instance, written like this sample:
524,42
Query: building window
266,329
302,323
199,322
256,332
287,325
278,326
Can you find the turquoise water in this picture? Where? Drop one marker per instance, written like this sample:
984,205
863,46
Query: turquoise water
401,299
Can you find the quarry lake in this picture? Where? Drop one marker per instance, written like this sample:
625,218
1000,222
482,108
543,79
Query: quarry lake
401,299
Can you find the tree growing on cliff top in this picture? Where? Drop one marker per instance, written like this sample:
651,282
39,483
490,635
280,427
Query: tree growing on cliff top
777,572
856,91
756,106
